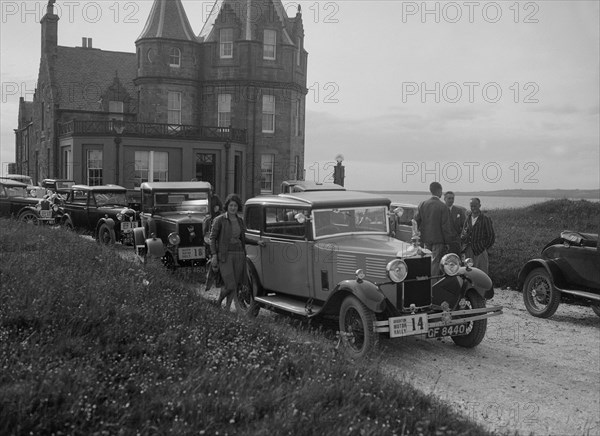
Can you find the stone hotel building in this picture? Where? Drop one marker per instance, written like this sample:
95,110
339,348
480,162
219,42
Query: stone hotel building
226,106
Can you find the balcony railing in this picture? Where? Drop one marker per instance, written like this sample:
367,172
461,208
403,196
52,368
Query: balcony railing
150,130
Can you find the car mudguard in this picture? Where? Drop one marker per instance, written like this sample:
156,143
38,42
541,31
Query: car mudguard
155,247
367,292
553,271
139,236
481,282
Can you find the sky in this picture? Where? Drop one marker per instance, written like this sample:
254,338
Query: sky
479,96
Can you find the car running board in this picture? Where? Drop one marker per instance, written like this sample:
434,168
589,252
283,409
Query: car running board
577,293
304,308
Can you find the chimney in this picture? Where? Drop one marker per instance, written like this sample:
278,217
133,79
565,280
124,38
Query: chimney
49,24
83,42
89,45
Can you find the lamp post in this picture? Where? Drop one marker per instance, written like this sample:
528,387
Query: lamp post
118,127
339,171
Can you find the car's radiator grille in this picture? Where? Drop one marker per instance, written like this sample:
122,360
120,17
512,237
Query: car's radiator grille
415,292
191,235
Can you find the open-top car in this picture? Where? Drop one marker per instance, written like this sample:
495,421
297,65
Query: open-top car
330,254
101,211
568,269
172,218
16,203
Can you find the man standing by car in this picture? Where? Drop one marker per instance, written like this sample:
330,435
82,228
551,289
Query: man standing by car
477,236
458,215
433,220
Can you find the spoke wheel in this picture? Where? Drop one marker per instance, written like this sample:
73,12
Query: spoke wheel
29,218
539,296
475,329
106,235
357,328
244,297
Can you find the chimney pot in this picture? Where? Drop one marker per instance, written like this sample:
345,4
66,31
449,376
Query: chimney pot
89,42
84,42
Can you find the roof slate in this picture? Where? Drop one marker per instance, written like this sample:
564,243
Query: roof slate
168,19
83,75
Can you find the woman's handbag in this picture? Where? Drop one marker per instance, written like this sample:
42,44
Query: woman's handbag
213,276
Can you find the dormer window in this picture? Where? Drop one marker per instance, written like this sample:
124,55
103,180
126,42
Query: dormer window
226,43
116,109
270,44
175,57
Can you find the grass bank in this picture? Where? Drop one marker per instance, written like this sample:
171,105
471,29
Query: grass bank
92,344
522,233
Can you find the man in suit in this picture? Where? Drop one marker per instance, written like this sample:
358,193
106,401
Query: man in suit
458,216
433,221
478,236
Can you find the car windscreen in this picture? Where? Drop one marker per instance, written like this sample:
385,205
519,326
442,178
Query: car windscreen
16,191
64,185
181,202
108,198
350,220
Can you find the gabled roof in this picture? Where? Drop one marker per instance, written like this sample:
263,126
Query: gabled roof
82,75
248,13
168,20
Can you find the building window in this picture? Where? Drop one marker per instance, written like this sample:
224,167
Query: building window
226,43
270,44
297,117
151,166
298,51
268,114
266,173
224,110
174,109
175,57
67,171
94,167
116,110
205,168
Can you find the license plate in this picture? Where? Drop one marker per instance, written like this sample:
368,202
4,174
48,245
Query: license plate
450,330
408,325
45,214
127,226
191,253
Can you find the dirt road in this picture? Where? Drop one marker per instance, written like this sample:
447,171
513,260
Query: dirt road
528,375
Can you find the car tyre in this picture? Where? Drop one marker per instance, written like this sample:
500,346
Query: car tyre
244,300
106,235
29,217
596,308
68,225
477,328
539,295
357,328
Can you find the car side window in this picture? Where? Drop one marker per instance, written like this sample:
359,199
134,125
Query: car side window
253,219
281,221
79,197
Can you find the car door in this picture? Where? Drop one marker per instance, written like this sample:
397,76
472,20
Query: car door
76,206
285,254
4,202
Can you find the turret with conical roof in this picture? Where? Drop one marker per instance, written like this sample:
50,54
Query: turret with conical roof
167,53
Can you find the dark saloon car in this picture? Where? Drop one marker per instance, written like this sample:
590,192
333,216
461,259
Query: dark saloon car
568,269
172,218
329,254
101,211
16,203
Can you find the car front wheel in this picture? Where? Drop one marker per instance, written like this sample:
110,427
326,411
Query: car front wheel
596,308
357,328
106,235
539,296
29,217
476,329
244,297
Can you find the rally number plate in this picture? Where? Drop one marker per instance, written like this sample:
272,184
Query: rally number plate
187,253
45,214
127,226
408,325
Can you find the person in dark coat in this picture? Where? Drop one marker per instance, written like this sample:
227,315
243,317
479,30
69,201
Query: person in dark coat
458,215
433,221
478,236
228,248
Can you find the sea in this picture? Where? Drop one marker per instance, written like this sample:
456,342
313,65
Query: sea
487,202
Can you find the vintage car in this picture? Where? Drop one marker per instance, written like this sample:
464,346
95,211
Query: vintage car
100,211
401,220
568,269
172,218
59,186
288,186
16,203
329,254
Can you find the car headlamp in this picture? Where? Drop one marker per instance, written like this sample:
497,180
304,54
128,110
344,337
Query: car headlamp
397,270
55,208
174,239
120,216
360,274
450,264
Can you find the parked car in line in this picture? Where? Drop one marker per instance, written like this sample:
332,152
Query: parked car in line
401,218
59,186
32,190
568,269
172,218
101,211
288,186
16,203
329,254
